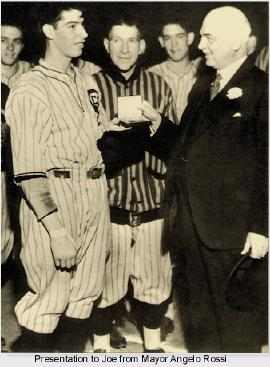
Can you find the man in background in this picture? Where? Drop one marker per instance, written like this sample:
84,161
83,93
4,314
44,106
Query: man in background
12,44
135,191
177,70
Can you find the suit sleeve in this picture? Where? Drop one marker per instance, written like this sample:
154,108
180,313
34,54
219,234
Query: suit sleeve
259,204
163,141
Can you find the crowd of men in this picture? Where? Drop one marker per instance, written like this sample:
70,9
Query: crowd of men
136,187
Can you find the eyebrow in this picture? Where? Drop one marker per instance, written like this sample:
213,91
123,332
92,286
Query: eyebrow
74,21
206,34
176,34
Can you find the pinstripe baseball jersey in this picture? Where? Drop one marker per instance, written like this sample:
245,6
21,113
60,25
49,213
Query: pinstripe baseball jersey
22,67
88,68
62,136
180,84
55,121
138,187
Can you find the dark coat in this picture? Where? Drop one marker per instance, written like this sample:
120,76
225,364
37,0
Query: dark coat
222,159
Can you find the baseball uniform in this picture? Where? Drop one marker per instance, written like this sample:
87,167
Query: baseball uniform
136,189
55,124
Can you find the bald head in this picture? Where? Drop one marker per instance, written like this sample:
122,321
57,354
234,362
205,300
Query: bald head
225,35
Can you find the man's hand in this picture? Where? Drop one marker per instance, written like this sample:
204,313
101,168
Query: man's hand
63,249
152,115
256,244
115,125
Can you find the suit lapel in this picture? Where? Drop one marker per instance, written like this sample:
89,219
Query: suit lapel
198,102
208,112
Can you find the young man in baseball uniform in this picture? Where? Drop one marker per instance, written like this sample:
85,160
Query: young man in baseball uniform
178,69
56,119
135,192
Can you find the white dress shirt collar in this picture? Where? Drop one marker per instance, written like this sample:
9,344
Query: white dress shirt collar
227,72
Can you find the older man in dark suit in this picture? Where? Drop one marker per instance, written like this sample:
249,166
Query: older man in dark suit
217,177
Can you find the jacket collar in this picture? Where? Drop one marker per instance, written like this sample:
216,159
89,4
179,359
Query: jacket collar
116,75
236,79
203,102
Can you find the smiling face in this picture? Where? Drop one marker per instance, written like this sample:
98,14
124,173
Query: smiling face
216,45
68,36
176,41
224,35
124,46
11,44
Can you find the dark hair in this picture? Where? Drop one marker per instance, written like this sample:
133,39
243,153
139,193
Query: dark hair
49,13
124,17
182,18
9,19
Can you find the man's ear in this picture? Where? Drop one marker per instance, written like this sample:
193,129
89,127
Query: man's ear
142,46
251,44
161,41
106,44
190,38
48,30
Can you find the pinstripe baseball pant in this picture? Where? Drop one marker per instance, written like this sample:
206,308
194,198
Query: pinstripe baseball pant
136,256
83,209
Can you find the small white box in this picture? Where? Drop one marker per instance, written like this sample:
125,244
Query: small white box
129,109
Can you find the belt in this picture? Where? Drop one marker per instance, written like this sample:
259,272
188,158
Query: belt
122,216
93,173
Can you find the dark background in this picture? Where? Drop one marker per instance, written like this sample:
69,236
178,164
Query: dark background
152,14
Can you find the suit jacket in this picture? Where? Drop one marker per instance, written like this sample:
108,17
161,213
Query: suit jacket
220,161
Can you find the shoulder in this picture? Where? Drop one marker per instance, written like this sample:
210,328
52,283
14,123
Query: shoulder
32,79
156,79
87,67
32,84
255,82
24,66
157,69
101,75
259,75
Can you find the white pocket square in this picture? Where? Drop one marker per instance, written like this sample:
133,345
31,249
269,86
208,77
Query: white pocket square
237,114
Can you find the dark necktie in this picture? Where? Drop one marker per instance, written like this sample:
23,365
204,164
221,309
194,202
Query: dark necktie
215,87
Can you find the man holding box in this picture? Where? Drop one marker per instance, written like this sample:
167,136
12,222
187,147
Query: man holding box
137,97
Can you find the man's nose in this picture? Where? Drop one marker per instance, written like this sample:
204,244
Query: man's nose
10,46
83,32
174,42
202,44
124,47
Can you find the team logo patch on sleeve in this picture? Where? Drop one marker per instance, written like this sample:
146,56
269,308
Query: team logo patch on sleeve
94,99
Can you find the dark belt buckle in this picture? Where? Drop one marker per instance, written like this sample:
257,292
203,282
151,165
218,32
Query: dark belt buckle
61,174
95,172
134,219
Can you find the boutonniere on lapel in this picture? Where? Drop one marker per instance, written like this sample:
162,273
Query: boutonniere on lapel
234,93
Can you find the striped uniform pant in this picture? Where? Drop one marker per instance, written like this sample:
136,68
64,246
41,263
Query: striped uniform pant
136,256
83,208
7,235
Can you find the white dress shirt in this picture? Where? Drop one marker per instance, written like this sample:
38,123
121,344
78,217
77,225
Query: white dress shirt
228,72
